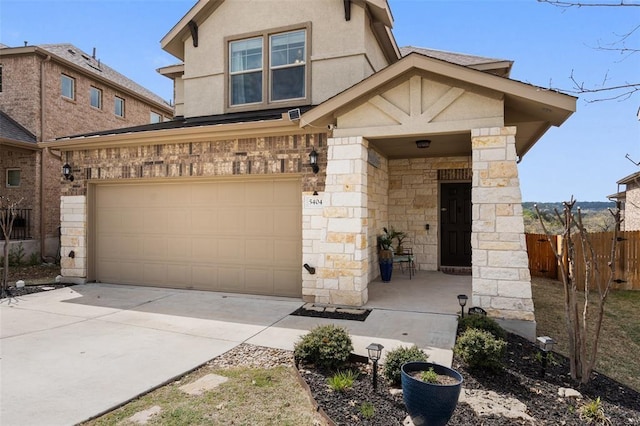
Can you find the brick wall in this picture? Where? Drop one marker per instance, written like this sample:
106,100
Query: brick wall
250,156
26,162
20,96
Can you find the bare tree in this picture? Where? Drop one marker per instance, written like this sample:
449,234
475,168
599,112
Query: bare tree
581,360
606,90
8,214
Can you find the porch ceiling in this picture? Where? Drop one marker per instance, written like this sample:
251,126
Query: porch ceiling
449,145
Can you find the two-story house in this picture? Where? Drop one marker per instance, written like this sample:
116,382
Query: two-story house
46,92
302,131
628,201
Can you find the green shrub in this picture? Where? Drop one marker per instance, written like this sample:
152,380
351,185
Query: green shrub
342,380
593,412
398,356
16,255
429,376
326,346
480,349
368,410
481,322
34,259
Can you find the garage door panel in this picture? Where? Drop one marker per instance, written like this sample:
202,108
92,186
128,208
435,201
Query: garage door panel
155,248
259,281
222,235
204,221
231,278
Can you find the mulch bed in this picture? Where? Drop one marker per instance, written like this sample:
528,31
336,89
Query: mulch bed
519,379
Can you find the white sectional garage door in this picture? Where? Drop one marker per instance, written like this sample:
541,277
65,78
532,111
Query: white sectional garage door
241,235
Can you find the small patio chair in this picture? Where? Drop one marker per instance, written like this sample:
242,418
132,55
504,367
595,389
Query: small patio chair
406,258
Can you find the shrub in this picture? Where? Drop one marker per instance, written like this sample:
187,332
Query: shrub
342,380
429,376
481,322
396,357
480,349
593,412
326,346
368,410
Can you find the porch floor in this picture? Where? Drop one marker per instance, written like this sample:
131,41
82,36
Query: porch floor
426,292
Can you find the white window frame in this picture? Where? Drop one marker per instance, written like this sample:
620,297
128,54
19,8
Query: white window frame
267,69
8,184
115,106
156,115
63,78
99,92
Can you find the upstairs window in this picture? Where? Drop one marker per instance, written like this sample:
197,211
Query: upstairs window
68,86
155,117
118,106
246,71
95,95
269,68
0,77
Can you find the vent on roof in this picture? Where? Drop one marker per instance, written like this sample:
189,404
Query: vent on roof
85,56
73,52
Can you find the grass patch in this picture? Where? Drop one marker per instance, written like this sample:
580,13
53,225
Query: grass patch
251,396
620,335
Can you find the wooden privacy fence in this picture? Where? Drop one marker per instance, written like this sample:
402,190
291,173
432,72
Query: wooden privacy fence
542,262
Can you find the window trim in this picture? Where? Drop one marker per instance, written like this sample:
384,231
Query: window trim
73,87
115,98
160,117
13,169
100,98
266,102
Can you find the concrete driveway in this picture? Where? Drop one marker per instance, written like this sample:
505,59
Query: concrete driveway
70,354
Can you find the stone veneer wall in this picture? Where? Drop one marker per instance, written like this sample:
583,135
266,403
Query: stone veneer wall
632,208
339,243
28,162
414,201
377,206
501,278
251,156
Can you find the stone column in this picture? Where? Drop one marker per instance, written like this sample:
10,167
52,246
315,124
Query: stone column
501,278
337,238
73,238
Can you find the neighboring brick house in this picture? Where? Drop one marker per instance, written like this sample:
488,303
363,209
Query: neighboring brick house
47,92
223,197
628,201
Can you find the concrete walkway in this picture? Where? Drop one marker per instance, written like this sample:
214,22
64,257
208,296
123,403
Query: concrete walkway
70,354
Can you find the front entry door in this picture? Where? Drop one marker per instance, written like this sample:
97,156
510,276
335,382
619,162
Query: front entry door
455,224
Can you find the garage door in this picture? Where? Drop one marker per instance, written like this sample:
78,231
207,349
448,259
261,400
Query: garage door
240,236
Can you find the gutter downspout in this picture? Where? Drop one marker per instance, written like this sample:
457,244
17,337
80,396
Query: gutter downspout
43,152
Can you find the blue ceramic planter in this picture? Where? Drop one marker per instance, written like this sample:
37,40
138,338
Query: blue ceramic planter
429,404
386,269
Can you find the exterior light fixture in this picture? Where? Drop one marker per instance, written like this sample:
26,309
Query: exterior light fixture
375,350
66,172
313,161
545,343
462,300
423,143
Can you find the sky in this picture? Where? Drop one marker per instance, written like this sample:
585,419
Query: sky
583,158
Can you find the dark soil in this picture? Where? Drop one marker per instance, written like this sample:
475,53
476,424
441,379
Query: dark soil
37,278
519,379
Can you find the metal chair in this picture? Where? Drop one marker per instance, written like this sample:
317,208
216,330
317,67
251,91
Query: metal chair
406,257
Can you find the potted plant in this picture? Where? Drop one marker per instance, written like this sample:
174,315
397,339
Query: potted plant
430,392
385,255
400,236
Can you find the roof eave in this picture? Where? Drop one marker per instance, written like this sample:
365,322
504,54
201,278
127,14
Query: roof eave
31,146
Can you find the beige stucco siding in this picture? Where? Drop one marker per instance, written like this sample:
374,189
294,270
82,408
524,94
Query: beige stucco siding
341,52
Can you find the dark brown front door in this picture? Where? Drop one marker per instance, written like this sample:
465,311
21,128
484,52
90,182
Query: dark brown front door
455,224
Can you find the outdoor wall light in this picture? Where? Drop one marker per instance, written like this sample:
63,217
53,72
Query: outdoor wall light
462,300
66,172
545,343
423,143
375,350
313,161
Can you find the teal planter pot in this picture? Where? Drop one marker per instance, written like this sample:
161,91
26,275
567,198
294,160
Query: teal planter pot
429,404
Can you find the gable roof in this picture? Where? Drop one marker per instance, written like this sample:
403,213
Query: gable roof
71,55
538,107
382,22
501,67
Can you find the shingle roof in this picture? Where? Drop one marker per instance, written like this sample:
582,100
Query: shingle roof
95,66
10,129
453,57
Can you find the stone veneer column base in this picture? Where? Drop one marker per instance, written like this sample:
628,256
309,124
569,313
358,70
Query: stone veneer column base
335,236
501,280
73,238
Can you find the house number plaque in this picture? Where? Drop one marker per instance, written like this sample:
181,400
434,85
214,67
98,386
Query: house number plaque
312,202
